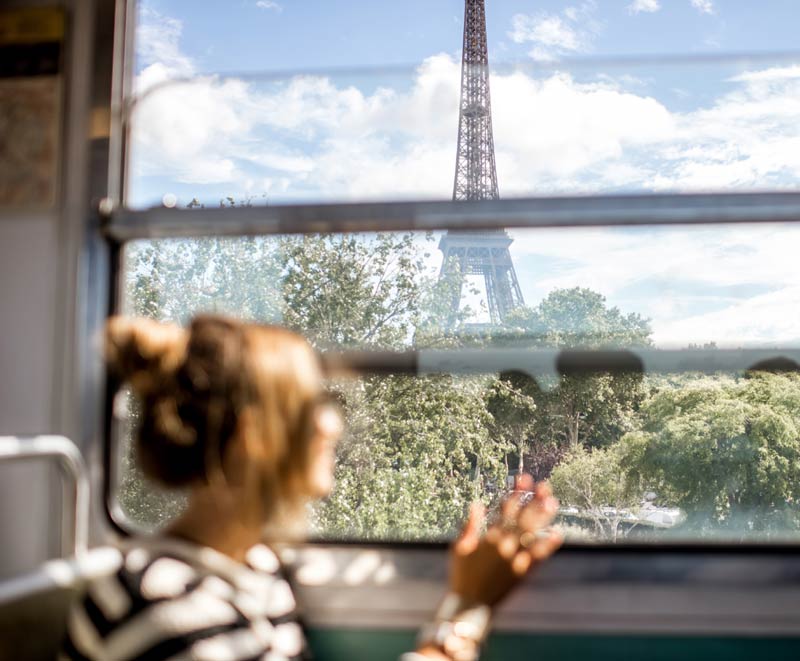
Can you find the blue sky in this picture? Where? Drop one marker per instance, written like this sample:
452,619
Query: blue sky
593,125
567,120
245,35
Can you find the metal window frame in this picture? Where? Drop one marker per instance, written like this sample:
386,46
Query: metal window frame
119,225
123,225
553,363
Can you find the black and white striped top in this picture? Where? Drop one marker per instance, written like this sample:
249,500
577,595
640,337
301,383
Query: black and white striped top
174,600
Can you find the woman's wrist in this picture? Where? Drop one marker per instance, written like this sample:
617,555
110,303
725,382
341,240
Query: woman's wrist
458,629
455,606
425,654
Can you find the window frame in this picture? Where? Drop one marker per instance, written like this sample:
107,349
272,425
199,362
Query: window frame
639,209
754,571
124,225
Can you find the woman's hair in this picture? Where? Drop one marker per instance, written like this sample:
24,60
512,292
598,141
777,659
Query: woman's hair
200,387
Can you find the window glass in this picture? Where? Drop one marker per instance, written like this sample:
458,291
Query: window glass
581,128
582,102
687,452
579,102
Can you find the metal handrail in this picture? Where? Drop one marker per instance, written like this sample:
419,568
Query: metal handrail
560,362
75,503
534,212
69,572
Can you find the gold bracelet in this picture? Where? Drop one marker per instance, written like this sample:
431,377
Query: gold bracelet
458,629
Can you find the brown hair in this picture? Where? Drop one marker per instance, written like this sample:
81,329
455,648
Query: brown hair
217,380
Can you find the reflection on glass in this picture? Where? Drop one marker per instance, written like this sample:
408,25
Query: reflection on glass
662,287
631,456
559,128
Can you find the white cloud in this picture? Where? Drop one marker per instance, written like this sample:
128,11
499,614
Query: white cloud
703,6
269,5
730,285
648,6
553,134
158,48
556,34
587,124
774,74
188,131
546,30
748,138
317,138
758,321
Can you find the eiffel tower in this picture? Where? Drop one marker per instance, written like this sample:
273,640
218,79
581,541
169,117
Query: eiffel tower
474,252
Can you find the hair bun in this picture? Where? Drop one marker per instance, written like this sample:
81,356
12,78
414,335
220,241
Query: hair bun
144,352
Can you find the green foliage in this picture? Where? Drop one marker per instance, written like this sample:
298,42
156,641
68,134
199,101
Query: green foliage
576,318
348,291
594,482
173,279
511,401
417,453
725,451
584,410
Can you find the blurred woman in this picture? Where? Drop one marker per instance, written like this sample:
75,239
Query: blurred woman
237,414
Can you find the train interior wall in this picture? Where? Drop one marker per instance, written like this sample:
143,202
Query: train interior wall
37,304
40,335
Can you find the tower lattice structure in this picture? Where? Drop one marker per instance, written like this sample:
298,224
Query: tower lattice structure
467,252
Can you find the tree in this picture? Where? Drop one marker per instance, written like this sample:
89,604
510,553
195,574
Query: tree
585,410
350,291
511,401
172,279
593,409
727,451
595,482
418,451
416,454
576,318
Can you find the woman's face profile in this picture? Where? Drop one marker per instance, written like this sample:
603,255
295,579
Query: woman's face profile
328,427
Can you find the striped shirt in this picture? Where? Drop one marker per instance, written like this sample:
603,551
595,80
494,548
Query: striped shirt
178,601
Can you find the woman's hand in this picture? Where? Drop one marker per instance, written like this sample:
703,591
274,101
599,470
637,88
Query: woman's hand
484,569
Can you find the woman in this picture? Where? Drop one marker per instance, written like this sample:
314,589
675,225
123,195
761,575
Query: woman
237,414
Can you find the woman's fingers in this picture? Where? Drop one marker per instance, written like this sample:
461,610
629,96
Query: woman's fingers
522,563
543,491
510,508
537,514
513,503
518,520
471,533
544,547
540,511
523,482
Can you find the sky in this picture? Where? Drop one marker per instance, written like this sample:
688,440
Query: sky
253,35
588,96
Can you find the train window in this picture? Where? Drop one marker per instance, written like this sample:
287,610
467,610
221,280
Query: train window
572,128
681,443
606,302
